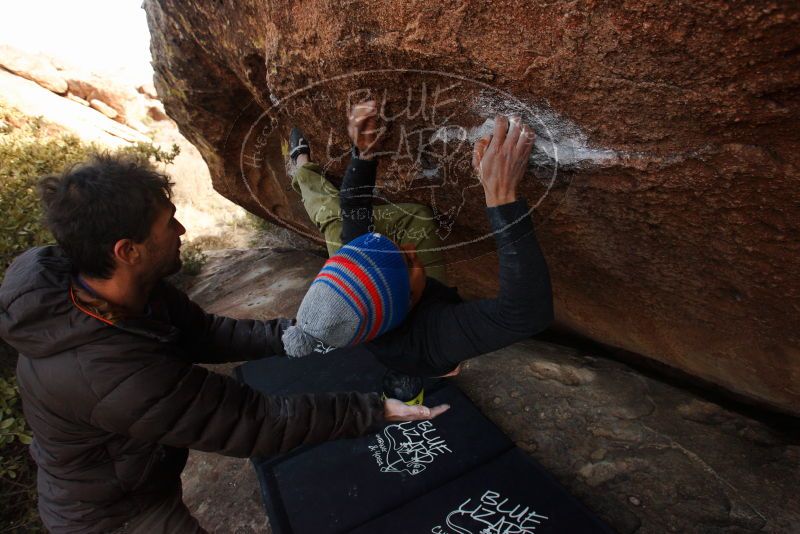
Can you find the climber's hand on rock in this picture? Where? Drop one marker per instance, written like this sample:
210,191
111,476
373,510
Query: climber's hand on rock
362,127
501,159
395,410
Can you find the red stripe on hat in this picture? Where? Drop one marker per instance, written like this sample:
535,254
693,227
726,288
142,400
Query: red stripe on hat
353,296
369,284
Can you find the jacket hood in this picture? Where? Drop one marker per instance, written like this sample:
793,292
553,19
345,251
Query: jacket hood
37,316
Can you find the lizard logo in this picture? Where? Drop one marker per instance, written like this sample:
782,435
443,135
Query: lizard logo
408,447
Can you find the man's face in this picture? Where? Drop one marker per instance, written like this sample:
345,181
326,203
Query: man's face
162,246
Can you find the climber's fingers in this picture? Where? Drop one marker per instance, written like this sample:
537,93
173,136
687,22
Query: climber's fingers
512,136
499,135
363,111
362,125
479,151
369,124
527,138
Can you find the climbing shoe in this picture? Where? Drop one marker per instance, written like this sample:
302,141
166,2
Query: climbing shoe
298,145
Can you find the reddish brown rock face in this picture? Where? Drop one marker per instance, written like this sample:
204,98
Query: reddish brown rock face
665,176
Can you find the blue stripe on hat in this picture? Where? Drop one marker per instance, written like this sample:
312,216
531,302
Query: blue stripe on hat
396,269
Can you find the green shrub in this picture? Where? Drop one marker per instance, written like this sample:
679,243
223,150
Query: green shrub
151,152
29,152
31,148
214,242
12,424
193,258
17,471
22,161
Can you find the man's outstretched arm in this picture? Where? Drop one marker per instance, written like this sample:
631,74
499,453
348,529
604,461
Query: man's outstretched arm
211,338
161,399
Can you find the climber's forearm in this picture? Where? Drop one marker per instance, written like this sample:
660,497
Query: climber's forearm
355,198
523,305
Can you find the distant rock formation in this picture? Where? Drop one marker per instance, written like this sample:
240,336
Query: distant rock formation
126,105
36,68
665,178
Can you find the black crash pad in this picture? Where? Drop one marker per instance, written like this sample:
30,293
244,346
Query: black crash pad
337,486
511,494
407,478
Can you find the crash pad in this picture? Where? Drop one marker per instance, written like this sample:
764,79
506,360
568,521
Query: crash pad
510,494
372,483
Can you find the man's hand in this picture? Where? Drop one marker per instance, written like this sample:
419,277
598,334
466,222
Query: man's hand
362,127
395,410
502,158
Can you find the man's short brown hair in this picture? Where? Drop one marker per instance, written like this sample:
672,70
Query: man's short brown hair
91,206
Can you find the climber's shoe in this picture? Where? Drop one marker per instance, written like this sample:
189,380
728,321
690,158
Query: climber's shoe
298,145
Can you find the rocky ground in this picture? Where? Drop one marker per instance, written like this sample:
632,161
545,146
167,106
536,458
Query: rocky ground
646,455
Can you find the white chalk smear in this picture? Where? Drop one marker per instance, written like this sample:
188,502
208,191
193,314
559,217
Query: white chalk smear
557,138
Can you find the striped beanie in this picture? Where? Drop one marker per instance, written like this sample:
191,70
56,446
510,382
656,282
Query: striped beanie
361,292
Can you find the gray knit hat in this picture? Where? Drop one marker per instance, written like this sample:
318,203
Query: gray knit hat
361,292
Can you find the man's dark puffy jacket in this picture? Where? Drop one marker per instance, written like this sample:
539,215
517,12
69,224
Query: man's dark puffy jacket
114,401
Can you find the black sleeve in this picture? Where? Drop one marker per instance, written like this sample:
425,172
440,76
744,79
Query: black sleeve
523,306
161,399
210,338
355,197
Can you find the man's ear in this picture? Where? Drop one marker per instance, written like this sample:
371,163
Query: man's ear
127,252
